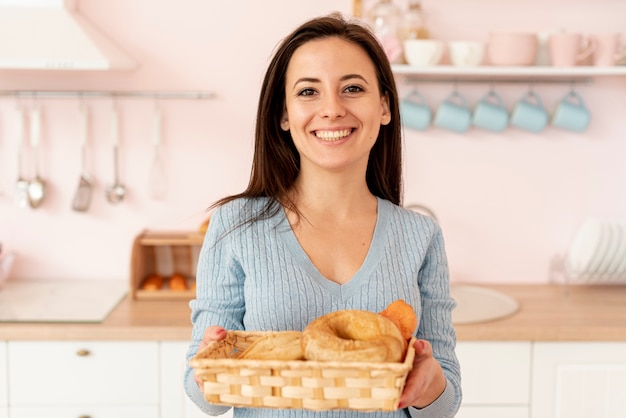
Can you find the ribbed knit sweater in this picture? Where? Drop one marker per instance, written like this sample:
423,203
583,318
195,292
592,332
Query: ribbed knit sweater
256,276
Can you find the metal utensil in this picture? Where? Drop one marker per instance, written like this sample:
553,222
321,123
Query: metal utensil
82,198
21,188
37,186
158,179
115,192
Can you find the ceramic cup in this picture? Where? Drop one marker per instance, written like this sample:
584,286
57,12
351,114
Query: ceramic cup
423,52
609,49
415,112
466,53
490,113
529,113
570,49
453,114
571,113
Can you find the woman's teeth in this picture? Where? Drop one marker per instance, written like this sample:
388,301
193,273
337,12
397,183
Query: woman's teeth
330,136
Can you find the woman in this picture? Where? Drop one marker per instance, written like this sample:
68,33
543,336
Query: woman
319,227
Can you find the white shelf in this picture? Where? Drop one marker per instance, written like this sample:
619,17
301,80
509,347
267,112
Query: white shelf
452,73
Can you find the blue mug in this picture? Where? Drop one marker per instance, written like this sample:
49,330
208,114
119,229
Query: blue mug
529,113
571,113
490,113
415,112
454,114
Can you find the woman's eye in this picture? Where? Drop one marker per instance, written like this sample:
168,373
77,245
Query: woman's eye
306,92
353,89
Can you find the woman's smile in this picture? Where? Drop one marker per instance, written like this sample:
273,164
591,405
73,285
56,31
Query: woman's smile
332,135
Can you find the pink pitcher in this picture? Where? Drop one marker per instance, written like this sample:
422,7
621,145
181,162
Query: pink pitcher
570,49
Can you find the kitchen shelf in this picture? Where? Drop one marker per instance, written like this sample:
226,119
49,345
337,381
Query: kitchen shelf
507,74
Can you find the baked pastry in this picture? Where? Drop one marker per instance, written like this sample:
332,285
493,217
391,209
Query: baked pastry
152,282
403,315
353,335
177,282
280,345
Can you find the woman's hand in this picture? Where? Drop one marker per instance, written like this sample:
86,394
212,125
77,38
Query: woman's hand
426,381
212,333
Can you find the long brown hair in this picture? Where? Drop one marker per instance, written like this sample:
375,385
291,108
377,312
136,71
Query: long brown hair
276,161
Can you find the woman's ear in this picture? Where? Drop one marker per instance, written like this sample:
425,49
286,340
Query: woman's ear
386,113
284,122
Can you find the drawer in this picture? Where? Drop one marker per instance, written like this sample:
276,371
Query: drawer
86,412
493,412
83,373
495,373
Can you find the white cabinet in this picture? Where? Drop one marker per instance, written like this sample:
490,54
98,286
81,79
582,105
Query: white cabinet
495,377
579,380
176,404
78,378
4,402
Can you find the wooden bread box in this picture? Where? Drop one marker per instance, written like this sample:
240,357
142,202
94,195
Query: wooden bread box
165,255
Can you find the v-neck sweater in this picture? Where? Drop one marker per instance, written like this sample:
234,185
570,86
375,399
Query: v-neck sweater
256,276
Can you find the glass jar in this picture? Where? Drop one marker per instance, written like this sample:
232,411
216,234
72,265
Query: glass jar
413,25
384,18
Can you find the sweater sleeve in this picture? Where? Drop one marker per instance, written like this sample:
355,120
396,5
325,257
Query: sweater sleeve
219,294
436,327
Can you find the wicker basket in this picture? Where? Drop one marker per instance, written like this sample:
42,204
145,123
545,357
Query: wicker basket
296,384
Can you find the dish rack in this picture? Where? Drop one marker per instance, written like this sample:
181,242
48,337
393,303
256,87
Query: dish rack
165,254
597,254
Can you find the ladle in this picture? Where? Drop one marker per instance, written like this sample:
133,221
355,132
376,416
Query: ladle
116,191
21,188
37,186
82,198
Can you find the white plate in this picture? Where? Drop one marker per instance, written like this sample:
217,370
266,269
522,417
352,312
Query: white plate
620,271
613,257
584,248
603,249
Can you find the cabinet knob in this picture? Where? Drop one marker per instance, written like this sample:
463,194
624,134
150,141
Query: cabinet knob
83,352
84,416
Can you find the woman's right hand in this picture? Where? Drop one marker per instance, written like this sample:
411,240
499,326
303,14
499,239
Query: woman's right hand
212,333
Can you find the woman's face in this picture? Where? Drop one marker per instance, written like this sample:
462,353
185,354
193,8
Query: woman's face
333,106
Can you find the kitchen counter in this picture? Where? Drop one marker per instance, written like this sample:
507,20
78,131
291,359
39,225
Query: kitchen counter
547,313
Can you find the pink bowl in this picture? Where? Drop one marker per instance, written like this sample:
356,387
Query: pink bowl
512,48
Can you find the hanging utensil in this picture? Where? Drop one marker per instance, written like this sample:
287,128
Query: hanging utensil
82,198
21,188
115,192
158,178
37,186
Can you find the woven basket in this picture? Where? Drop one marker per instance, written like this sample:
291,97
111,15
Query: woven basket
296,384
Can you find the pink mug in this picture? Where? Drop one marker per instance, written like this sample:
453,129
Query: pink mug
609,49
569,49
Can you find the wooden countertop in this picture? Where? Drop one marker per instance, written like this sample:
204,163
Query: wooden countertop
547,313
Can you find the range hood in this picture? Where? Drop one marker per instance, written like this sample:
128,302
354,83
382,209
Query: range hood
52,35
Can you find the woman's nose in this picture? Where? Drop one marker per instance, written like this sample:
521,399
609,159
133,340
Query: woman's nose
331,107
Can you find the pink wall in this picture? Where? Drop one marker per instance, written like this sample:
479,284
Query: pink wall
507,202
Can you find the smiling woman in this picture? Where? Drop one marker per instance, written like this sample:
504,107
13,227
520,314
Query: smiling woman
320,228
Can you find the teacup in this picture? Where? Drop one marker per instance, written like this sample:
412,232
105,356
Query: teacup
529,113
609,49
490,113
415,112
570,49
423,52
466,53
571,113
454,114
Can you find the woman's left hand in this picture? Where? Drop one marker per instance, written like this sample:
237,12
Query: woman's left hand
426,381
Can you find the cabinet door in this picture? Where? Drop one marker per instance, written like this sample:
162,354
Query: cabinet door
85,411
492,412
4,391
174,402
495,373
55,373
579,380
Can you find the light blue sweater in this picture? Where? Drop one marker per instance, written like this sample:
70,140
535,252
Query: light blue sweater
258,277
